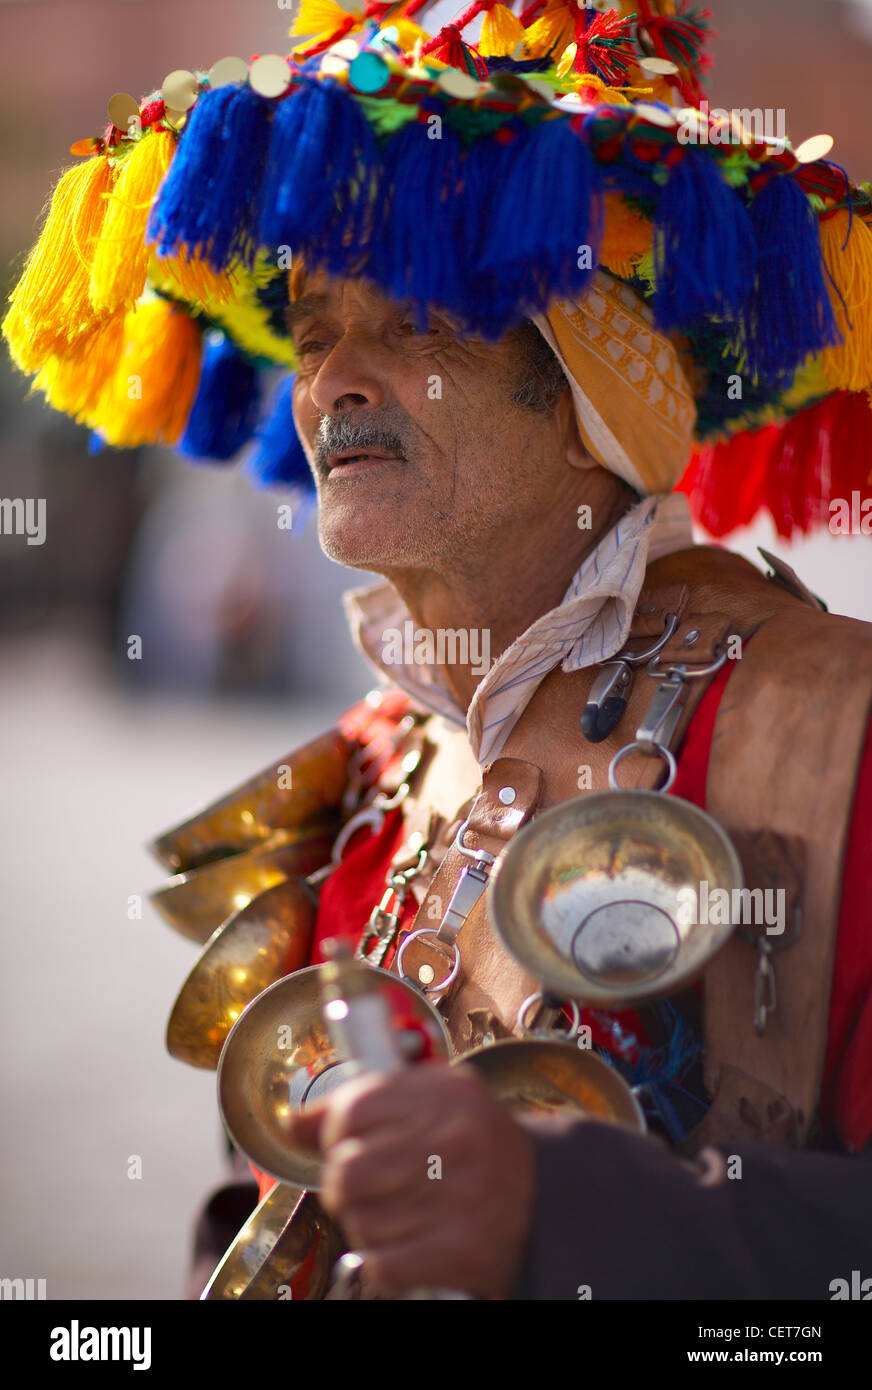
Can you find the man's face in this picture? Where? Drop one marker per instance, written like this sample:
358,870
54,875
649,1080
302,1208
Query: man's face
420,456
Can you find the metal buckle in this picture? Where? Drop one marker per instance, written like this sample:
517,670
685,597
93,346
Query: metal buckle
687,673
440,985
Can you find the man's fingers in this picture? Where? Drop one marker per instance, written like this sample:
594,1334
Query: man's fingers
373,1103
304,1127
392,1166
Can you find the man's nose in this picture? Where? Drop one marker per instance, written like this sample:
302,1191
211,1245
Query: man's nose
349,376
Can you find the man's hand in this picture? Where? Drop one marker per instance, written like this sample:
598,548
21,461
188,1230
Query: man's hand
429,1176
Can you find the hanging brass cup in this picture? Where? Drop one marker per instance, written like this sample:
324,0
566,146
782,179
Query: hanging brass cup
552,1077
595,897
197,903
287,795
286,1250
269,938
279,1056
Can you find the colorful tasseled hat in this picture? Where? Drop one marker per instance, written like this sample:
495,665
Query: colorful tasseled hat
707,287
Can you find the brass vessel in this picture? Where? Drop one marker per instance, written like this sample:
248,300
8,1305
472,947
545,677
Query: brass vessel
594,896
269,938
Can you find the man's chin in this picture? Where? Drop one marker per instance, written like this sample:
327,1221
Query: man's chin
361,542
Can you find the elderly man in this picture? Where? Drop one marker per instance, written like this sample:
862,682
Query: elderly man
517,304
468,505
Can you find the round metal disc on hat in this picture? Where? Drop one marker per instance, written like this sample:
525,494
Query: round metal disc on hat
542,89
122,109
660,67
269,75
458,84
345,48
815,147
333,65
655,115
179,90
369,73
228,70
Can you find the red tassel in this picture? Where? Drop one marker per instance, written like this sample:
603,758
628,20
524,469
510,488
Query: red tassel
793,471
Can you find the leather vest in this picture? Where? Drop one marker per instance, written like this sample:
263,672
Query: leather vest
786,747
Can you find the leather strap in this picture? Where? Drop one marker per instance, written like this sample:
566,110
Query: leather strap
785,752
547,760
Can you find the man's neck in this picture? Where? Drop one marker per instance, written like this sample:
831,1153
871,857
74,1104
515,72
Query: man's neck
500,594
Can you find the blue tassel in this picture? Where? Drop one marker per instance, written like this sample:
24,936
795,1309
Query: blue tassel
209,200
224,414
704,251
277,459
537,220
788,315
417,251
322,154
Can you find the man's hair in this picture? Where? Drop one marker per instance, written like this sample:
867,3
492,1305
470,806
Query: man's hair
542,379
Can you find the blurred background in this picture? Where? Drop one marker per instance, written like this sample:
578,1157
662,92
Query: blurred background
245,655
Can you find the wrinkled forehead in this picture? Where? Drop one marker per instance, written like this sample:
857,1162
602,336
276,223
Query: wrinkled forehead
314,290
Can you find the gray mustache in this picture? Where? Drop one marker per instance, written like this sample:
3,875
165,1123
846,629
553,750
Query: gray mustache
336,433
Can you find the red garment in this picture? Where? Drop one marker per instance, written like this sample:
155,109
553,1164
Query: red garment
349,895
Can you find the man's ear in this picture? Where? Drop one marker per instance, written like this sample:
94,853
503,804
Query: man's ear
577,455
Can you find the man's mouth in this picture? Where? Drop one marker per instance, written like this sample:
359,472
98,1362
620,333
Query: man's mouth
349,459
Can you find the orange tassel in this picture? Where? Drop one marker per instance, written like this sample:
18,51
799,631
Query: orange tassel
848,367
149,397
626,237
121,255
75,383
500,32
50,305
189,278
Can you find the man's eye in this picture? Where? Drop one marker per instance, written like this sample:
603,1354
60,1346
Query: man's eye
308,348
410,329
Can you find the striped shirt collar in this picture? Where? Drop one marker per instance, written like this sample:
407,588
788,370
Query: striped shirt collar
588,626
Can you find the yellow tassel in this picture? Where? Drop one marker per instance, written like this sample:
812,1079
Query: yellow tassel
149,397
848,367
187,277
50,305
551,32
76,382
321,17
626,237
500,31
121,256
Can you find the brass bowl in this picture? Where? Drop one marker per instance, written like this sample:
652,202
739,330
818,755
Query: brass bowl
541,1076
590,896
269,938
279,1055
196,903
284,796
286,1249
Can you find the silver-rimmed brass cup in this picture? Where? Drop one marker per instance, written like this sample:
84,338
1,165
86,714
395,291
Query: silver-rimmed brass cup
598,896
551,1077
269,938
286,1250
279,1057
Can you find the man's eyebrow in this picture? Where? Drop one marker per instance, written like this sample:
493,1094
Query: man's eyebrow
304,307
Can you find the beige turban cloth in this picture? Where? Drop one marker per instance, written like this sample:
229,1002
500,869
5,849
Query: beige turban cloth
633,403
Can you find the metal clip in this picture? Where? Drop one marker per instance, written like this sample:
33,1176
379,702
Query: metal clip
660,719
764,986
608,696
606,701
469,888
